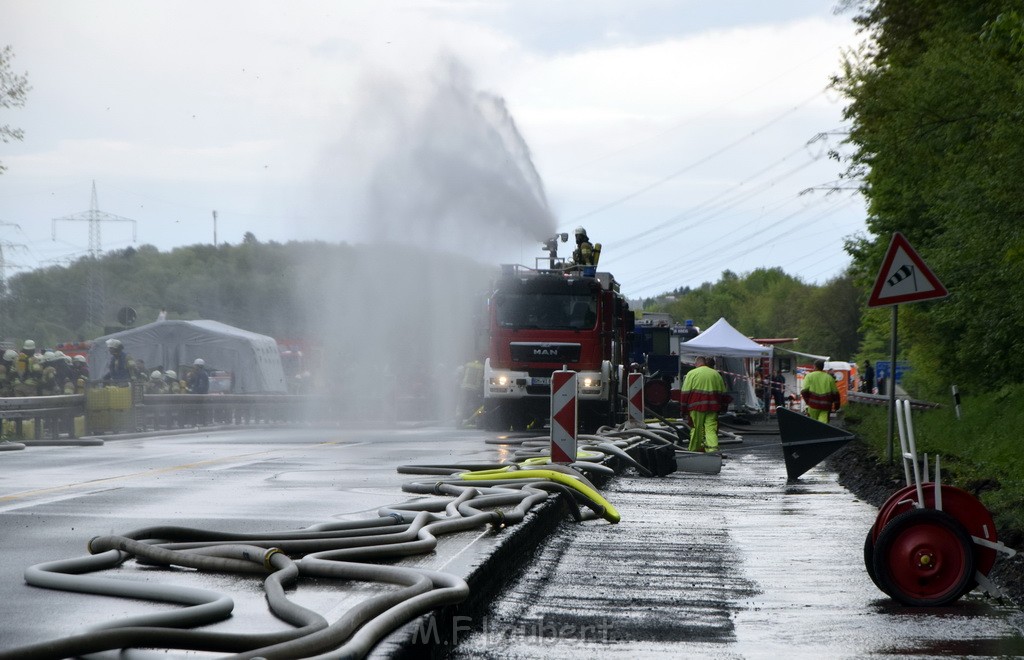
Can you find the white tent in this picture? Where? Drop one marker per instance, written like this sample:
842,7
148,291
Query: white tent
253,359
723,340
736,355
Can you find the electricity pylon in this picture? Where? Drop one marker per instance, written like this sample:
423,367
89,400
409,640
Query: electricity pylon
94,217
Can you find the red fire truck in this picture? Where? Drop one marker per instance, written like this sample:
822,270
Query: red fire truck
542,320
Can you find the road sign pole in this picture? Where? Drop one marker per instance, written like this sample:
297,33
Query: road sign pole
903,278
892,380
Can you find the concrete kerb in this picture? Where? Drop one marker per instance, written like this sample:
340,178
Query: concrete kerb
433,635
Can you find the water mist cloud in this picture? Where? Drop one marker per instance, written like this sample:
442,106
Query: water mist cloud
434,185
437,163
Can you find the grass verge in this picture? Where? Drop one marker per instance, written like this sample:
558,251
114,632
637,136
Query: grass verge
982,452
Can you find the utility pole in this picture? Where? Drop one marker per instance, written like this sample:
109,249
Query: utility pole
94,217
214,229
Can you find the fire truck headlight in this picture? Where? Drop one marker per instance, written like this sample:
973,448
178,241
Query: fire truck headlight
500,379
591,382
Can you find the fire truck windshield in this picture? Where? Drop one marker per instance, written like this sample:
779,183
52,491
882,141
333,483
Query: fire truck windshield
546,311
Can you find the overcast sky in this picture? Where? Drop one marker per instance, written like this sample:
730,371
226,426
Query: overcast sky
688,137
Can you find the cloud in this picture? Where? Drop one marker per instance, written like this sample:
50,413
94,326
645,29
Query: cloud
338,112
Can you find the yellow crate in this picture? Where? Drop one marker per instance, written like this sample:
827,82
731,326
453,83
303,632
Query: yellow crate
120,398
108,398
96,398
110,421
79,426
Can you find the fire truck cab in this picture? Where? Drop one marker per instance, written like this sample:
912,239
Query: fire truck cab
542,320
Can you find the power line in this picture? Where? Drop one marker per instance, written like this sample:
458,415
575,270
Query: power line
726,104
697,163
700,266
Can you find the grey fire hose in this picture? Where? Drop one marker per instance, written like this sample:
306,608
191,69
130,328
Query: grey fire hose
342,551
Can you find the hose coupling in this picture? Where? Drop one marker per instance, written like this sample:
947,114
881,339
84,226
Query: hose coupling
399,518
267,556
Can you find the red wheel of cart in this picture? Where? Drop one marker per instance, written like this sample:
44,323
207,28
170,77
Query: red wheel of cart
924,557
869,559
959,504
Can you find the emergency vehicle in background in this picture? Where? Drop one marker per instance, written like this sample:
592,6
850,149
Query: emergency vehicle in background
553,316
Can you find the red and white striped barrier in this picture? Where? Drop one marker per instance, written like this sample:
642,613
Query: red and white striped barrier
635,395
563,416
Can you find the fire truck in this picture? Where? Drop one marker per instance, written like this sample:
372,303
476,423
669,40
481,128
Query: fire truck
543,319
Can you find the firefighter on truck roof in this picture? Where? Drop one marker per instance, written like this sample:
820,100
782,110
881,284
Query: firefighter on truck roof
586,253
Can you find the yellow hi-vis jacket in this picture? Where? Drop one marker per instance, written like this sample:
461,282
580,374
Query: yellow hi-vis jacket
820,391
704,391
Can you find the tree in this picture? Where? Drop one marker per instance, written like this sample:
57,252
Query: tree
769,303
935,119
13,90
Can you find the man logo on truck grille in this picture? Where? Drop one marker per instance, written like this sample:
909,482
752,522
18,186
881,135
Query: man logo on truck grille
544,352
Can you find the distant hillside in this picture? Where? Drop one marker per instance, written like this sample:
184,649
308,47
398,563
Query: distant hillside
293,290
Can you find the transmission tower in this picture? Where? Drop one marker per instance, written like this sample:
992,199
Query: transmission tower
4,327
94,217
3,262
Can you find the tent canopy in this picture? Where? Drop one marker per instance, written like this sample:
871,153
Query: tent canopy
252,358
721,339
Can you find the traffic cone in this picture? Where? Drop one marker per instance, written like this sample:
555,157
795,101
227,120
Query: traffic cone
771,407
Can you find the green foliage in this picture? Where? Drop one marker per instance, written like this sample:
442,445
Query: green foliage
13,90
769,303
979,452
280,290
935,113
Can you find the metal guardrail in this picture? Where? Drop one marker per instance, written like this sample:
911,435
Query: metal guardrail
883,400
54,416
167,411
118,410
51,415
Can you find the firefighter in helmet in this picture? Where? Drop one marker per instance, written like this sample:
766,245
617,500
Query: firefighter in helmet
156,383
28,351
117,369
586,253
79,368
9,361
173,384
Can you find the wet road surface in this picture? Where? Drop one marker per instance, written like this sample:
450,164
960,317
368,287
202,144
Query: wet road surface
738,565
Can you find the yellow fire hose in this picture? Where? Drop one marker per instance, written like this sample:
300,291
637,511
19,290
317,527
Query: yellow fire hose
608,512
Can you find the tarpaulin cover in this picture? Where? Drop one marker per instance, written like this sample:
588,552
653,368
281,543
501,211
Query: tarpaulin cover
736,357
252,358
721,339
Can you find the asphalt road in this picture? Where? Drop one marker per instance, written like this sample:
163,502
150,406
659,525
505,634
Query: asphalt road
738,565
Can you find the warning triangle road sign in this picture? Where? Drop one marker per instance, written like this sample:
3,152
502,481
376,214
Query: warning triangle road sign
904,277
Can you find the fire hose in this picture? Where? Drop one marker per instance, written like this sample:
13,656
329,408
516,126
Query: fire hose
469,496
